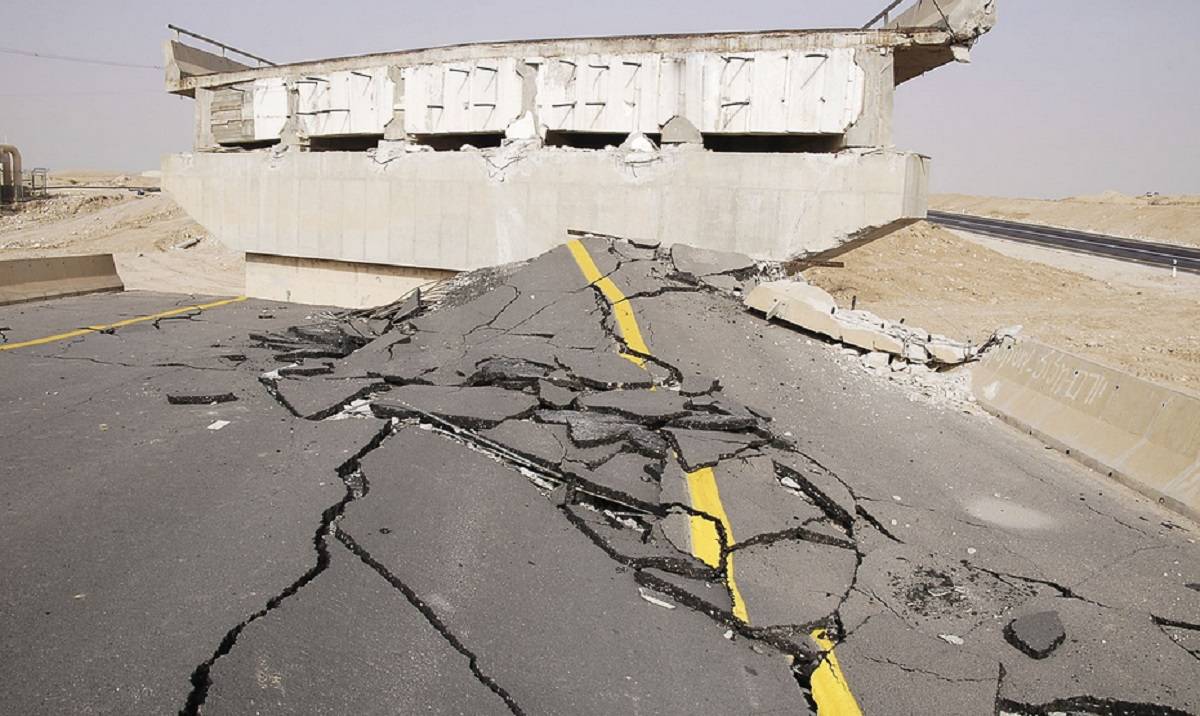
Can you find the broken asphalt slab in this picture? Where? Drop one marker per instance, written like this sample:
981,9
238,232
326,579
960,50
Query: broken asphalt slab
135,538
1037,634
960,526
589,643
348,643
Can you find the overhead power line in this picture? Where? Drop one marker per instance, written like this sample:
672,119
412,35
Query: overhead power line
86,60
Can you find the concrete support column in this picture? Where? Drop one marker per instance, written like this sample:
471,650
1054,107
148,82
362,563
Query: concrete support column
203,137
874,126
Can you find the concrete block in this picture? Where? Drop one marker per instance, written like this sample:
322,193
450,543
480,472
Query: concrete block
54,277
332,283
943,350
877,360
678,130
1143,434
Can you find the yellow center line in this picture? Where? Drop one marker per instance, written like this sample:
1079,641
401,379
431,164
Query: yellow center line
706,541
119,324
702,484
622,311
829,687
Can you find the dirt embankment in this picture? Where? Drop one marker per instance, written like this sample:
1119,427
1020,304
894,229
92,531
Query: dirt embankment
946,284
1165,219
146,233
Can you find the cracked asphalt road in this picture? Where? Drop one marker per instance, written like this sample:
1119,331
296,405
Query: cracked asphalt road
552,487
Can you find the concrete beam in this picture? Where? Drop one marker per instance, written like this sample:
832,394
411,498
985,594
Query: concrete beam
184,62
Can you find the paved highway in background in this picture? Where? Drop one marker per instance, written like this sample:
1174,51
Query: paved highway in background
1144,252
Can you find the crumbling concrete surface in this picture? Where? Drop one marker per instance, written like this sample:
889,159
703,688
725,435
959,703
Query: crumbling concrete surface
588,483
965,19
813,309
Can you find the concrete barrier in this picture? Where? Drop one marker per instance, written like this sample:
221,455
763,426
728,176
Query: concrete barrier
1143,434
333,283
52,277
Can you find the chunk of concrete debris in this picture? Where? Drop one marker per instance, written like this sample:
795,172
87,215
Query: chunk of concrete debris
654,598
722,282
678,130
1037,635
476,408
638,142
876,360
945,350
523,127
697,263
813,309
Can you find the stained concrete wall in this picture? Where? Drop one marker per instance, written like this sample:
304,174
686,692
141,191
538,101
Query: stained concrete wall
813,91
1144,434
465,210
332,283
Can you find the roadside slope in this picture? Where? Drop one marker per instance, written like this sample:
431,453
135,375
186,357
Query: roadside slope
142,232
946,284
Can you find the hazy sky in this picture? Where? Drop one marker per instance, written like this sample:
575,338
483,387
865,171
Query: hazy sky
1064,97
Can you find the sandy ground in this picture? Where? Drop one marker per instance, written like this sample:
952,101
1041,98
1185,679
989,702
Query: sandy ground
1136,319
1167,219
143,232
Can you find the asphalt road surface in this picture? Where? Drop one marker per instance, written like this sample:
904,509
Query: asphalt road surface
1182,258
588,484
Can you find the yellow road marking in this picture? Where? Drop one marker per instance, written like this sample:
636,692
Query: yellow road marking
829,687
702,484
706,541
119,324
622,311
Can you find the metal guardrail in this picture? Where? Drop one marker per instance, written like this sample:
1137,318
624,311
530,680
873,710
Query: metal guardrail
884,15
181,31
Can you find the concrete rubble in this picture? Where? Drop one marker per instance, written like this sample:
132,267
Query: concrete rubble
771,143
885,342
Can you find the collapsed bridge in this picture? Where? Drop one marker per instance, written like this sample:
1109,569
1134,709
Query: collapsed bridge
351,180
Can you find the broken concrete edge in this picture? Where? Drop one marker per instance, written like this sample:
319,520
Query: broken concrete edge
1144,435
24,280
814,310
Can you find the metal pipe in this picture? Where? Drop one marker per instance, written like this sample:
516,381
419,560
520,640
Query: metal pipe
10,157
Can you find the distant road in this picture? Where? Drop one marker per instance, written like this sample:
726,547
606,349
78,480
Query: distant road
1143,252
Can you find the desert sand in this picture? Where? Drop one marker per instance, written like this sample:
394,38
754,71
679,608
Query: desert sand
145,232
1148,325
